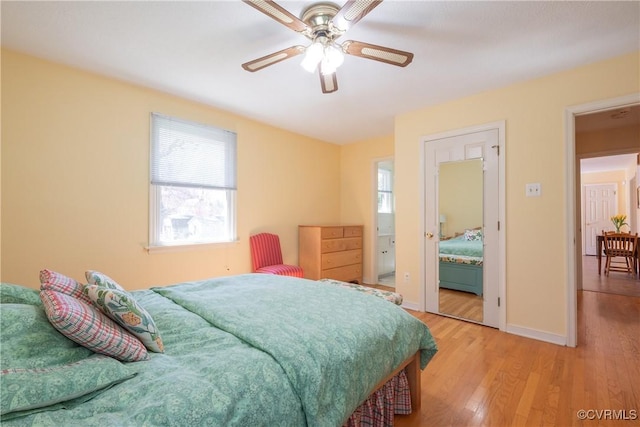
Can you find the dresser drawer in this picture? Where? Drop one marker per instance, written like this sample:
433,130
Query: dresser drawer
336,245
352,231
331,232
338,259
348,273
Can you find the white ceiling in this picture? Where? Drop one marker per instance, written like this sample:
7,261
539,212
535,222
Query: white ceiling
194,50
609,163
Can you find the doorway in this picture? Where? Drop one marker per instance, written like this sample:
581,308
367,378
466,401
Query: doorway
574,235
464,244
608,188
385,241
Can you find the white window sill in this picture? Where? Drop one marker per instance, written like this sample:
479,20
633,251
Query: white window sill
187,247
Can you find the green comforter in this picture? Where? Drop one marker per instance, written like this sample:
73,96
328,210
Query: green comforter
255,350
460,246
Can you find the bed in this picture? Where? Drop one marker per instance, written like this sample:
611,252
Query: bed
243,350
460,262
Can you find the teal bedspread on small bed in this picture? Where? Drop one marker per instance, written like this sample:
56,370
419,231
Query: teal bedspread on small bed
460,246
256,350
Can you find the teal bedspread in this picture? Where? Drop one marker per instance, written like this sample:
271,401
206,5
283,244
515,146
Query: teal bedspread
460,246
249,350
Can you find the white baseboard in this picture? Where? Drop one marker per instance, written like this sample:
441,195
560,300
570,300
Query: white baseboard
537,335
410,305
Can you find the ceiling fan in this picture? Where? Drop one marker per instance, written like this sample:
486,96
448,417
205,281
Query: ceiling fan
323,23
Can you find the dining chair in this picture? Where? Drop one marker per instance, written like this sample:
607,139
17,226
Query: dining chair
620,245
266,256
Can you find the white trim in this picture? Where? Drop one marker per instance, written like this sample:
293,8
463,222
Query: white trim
411,306
501,127
570,200
373,260
536,334
187,247
502,217
422,292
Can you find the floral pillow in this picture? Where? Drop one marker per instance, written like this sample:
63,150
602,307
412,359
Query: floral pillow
52,281
120,306
475,234
100,279
89,327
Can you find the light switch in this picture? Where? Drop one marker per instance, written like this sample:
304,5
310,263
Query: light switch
533,189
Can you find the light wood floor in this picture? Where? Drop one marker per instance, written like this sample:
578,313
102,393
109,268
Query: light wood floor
483,377
461,304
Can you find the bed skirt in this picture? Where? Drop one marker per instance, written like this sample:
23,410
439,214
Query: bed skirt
394,397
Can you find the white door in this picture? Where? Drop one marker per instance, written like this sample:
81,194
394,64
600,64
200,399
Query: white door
482,145
600,201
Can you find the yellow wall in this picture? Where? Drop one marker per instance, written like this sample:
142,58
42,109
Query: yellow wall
534,112
75,185
460,196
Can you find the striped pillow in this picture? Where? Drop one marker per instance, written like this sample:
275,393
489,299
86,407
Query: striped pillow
90,328
52,281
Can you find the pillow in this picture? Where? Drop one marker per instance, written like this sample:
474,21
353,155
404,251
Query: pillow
90,328
474,234
16,294
99,279
52,281
125,310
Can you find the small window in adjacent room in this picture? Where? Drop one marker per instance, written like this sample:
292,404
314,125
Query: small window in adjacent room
385,191
193,183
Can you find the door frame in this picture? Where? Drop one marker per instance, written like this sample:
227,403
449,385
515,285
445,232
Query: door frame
500,126
373,261
572,220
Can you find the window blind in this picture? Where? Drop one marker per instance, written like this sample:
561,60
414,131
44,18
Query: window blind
190,154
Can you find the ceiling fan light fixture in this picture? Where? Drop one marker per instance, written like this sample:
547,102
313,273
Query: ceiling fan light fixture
312,57
333,57
327,55
323,23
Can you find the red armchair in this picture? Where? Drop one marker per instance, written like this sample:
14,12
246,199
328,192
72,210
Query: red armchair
266,256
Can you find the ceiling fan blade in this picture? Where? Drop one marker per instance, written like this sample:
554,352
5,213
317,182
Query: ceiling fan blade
265,61
329,82
352,12
378,53
277,12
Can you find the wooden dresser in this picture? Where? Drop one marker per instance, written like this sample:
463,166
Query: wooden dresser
332,252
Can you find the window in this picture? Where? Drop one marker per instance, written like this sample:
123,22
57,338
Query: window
193,183
385,191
